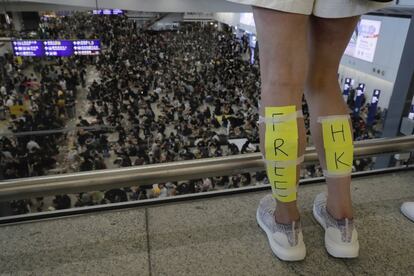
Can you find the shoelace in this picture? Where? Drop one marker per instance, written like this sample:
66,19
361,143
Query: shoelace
294,232
269,210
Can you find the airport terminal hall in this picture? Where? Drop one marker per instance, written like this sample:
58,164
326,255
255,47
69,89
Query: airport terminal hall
207,137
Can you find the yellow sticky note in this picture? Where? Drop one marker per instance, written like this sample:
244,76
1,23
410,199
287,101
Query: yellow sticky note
339,159
279,149
283,180
281,139
287,128
336,133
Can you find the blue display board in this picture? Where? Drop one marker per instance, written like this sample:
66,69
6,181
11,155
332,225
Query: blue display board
411,114
28,48
372,111
358,100
347,86
57,48
108,12
87,47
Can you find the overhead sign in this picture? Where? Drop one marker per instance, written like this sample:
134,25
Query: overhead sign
87,47
28,48
57,48
108,12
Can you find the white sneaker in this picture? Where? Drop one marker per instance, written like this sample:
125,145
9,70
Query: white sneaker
341,237
286,240
407,208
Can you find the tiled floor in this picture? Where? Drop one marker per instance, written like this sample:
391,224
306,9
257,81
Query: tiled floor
212,237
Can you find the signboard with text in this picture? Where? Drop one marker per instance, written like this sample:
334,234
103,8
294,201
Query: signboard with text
364,40
28,48
57,48
347,86
108,12
358,99
372,111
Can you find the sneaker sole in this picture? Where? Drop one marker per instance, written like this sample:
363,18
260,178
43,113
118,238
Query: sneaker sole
405,212
296,254
334,249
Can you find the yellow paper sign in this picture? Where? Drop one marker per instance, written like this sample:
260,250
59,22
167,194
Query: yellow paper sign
339,149
281,138
336,133
339,160
283,180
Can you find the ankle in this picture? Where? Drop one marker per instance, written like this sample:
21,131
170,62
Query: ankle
339,211
286,215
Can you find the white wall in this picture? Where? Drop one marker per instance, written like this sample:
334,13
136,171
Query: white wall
233,19
17,21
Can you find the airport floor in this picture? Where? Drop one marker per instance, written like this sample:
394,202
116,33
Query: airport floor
217,236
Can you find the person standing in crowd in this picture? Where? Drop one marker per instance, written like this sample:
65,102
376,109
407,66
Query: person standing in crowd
301,44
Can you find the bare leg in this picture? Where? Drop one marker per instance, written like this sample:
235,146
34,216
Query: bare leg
328,39
283,65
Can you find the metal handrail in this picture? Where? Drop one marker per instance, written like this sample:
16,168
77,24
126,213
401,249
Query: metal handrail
174,171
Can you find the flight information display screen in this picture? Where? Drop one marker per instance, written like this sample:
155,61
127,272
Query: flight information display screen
57,48
28,48
87,47
108,12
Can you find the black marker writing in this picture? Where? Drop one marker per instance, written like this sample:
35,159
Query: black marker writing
274,116
333,132
277,147
337,160
278,168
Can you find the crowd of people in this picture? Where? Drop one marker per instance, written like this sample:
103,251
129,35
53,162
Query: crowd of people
173,95
38,103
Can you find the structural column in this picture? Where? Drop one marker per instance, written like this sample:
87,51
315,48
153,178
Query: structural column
402,94
17,21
